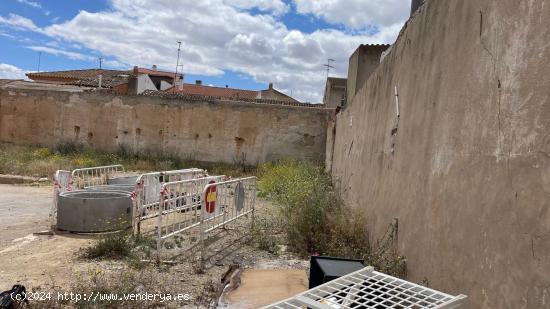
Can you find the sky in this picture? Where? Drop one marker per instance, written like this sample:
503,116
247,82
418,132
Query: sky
241,43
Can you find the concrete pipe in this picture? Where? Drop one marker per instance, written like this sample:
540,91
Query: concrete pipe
94,211
127,180
123,188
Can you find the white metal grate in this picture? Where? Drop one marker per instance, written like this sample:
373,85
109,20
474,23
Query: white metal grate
367,288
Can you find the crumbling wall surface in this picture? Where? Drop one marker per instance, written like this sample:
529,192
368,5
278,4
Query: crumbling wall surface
212,131
469,178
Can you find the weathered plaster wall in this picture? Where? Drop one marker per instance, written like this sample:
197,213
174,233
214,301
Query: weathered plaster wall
206,131
470,176
362,63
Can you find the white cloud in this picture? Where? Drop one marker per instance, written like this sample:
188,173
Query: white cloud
35,5
60,52
357,14
216,35
7,35
277,7
30,3
19,22
8,71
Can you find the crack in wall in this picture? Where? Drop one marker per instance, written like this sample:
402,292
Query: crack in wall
498,115
492,58
506,153
480,23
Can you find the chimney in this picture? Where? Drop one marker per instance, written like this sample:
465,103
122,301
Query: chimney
100,77
270,86
136,70
154,67
415,4
198,82
226,86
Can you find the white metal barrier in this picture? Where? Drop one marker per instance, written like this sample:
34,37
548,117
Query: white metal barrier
92,176
62,183
180,211
367,288
147,192
193,209
78,179
225,202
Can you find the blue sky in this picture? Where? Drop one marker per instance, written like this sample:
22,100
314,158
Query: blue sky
240,43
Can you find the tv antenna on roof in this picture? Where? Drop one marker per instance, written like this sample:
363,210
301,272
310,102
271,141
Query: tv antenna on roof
328,66
39,58
177,63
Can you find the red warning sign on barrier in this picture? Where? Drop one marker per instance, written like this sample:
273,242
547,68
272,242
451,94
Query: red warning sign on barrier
210,198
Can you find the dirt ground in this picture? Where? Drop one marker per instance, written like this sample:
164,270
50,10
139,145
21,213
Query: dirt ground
253,282
28,259
24,210
52,261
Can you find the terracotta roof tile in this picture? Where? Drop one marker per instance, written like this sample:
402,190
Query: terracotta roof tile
196,97
209,91
89,77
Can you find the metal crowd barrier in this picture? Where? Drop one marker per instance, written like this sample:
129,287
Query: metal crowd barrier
226,201
93,176
193,209
147,192
62,183
145,196
78,179
180,212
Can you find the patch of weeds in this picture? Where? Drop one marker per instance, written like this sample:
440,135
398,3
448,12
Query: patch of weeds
112,246
306,201
169,245
264,236
314,219
135,262
178,241
67,148
41,161
125,282
108,289
42,153
119,246
144,241
208,293
144,248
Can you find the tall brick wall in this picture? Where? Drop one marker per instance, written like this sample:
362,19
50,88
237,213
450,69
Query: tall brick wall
205,130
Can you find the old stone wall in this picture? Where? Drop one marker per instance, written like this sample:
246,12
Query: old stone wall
205,130
466,167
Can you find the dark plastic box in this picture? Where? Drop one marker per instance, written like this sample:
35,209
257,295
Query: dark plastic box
324,269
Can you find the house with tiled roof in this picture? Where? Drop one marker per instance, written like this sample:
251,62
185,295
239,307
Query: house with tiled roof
232,93
140,80
133,81
86,78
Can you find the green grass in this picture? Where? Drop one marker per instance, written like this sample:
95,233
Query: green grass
112,246
314,219
119,246
43,162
